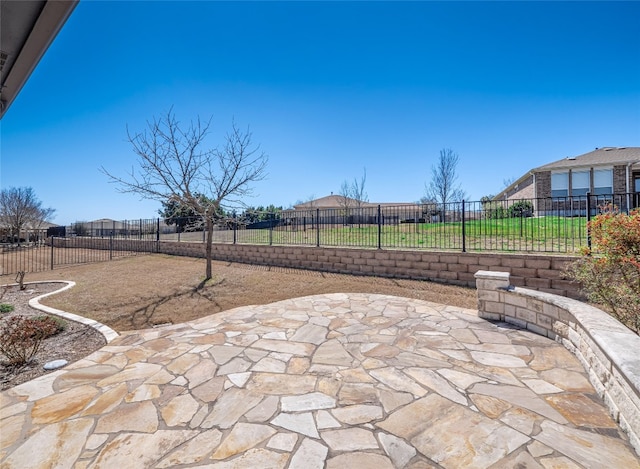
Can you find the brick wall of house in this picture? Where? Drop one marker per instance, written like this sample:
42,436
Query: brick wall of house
620,179
543,184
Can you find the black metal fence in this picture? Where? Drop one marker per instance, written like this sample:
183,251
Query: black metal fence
553,225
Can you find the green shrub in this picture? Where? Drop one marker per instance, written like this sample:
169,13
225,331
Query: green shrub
610,271
6,308
521,209
21,337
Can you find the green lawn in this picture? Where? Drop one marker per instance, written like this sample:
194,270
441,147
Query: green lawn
536,234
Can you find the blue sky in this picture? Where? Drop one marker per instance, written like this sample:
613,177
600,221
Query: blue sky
328,89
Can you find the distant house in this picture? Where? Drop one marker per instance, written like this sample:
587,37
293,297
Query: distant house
30,232
604,171
105,227
337,209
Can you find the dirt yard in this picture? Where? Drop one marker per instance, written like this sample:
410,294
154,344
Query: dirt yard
143,291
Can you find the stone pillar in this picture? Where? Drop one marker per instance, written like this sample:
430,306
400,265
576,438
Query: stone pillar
491,287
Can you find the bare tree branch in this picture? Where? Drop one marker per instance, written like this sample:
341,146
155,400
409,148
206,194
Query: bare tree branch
174,167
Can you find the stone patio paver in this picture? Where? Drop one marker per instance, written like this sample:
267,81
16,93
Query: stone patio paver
328,381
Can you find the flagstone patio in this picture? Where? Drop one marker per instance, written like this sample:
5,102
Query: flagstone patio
335,381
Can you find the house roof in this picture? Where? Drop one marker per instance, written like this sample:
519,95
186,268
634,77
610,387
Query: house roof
599,157
337,201
27,28
330,201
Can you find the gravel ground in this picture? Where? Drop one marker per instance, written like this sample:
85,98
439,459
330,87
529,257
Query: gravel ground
75,342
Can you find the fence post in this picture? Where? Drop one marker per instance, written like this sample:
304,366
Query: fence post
235,227
111,247
52,240
158,229
464,237
588,205
379,227
271,220
318,227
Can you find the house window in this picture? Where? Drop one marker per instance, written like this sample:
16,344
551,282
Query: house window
559,184
603,181
580,183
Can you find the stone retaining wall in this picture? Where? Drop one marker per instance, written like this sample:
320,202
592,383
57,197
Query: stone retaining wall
607,349
538,272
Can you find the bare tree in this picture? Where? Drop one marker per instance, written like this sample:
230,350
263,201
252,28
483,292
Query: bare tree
174,166
444,187
345,201
357,191
20,209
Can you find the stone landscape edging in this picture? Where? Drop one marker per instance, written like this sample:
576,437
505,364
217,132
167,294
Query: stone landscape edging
602,344
108,333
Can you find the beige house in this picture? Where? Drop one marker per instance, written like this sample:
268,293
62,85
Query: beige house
337,209
604,171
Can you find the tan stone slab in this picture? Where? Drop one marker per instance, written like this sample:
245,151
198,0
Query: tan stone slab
63,405
300,423
522,397
294,348
359,460
398,381
180,410
144,392
281,384
546,358
264,410
107,401
140,450
582,411
460,379
137,417
298,365
194,450
11,429
458,437
254,458
397,449
411,419
310,455
358,414
391,400
56,445
131,372
201,372
567,380
222,353
232,405
559,462
357,393
14,409
243,437
332,352
349,439
492,407
283,441
210,389
311,333
81,376
433,381
586,448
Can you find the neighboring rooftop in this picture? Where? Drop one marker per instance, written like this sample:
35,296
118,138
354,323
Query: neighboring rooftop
597,157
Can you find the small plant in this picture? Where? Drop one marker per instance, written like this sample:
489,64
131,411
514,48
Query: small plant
610,271
59,323
6,308
21,337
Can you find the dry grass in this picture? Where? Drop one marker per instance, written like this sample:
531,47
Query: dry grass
140,292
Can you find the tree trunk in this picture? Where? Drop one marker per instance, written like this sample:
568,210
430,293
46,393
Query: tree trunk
209,244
